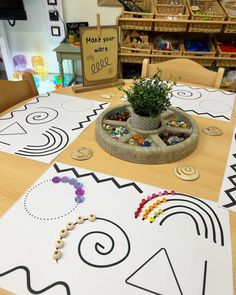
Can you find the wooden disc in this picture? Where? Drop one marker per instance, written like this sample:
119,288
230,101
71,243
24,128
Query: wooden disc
82,153
187,172
212,130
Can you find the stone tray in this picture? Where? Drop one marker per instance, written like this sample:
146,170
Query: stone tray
159,152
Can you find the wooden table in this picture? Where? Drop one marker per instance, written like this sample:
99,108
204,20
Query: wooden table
210,157
67,51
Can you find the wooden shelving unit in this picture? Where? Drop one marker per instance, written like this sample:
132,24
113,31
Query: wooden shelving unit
154,26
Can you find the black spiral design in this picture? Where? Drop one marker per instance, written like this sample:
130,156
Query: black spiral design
42,116
186,95
100,249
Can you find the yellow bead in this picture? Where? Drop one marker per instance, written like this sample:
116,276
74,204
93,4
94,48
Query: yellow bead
163,200
151,219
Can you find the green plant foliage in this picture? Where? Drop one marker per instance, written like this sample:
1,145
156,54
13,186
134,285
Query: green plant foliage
149,97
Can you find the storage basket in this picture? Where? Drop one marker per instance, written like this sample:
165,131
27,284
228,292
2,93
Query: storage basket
156,52
230,16
204,60
146,5
216,13
166,10
231,56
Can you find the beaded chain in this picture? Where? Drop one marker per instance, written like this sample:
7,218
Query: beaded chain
153,206
79,191
57,254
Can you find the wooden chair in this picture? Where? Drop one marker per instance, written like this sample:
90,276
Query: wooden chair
13,92
184,70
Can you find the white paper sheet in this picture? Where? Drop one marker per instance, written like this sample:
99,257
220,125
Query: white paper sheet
186,250
227,197
206,102
43,127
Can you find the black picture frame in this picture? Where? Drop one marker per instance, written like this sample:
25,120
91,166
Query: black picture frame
52,2
74,27
55,30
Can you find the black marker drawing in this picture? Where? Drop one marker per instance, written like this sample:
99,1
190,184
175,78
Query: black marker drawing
42,117
186,95
154,259
28,281
206,89
57,139
33,210
204,278
231,190
98,66
94,176
25,106
99,249
203,113
89,116
13,129
204,207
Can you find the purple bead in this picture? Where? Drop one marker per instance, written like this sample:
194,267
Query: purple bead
79,192
56,179
73,181
79,199
78,185
65,179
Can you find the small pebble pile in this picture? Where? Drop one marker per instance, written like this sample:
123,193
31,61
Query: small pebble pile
177,122
115,132
171,139
140,140
120,116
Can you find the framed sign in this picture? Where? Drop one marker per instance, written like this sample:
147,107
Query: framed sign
99,54
74,27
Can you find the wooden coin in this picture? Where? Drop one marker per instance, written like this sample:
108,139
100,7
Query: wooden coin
187,172
212,131
82,153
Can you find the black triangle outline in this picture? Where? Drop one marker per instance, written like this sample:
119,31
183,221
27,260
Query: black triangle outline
25,132
137,270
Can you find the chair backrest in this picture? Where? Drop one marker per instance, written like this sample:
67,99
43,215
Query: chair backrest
13,92
183,70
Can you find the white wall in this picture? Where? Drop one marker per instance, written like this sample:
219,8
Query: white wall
31,37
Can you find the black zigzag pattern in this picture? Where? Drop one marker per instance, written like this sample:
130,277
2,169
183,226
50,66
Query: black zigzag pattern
203,113
89,116
25,106
233,189
94,176
29,287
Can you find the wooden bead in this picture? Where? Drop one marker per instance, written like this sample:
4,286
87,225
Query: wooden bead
80,219
59,244
70,225
57,254
63,233
92,217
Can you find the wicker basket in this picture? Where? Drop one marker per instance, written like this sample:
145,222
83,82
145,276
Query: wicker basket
146,5
217,14
231,61
170,12
178,52
133,43
229,28
204,61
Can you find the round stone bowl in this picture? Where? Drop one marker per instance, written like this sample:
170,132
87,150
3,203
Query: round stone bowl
160,149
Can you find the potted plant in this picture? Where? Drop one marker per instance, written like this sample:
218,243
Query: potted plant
148,97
